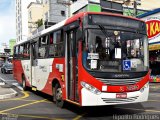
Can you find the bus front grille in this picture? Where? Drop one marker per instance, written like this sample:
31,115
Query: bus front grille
119,100
119,81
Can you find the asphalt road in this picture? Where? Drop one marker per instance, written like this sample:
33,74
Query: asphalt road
37,106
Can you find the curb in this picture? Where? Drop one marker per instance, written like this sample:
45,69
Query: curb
10,95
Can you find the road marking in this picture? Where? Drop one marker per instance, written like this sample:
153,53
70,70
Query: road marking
153,100
78,117
154,95
32,116
26,94
34,100
20,106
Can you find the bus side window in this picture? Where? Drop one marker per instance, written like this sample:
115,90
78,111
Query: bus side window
51,45
21,48
56,44
15,52
26,50
43,44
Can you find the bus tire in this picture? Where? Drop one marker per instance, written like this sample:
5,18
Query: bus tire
58,96
24,83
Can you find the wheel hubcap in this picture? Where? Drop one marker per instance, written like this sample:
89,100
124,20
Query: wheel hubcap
23,83
59,94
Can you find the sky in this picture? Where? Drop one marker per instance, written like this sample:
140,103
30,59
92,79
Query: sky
7,21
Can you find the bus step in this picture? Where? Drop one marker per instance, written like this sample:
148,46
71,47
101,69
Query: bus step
34,88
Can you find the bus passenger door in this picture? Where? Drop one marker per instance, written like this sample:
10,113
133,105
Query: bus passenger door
34,62
72,65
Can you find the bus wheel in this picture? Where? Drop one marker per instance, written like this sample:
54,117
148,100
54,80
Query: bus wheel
58,96
24,83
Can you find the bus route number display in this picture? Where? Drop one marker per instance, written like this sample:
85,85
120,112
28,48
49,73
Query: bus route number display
126,65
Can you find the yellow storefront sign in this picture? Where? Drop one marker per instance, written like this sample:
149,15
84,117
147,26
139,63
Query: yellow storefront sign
154,47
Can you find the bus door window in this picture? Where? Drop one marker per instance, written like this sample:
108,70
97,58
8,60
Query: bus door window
70,47
34,53
72,66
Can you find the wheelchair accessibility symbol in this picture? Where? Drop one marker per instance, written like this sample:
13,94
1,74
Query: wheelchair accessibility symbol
126,65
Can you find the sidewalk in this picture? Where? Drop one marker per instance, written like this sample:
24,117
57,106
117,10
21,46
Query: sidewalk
6,91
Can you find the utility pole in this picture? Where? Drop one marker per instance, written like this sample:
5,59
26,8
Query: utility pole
136,3
69,1
135,8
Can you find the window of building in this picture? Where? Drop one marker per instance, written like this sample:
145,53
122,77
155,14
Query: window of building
63,13
46,1
46,16
30,15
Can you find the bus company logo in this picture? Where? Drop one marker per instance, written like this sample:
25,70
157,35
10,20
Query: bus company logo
153,27
121,89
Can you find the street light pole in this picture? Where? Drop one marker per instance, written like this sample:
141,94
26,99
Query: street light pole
135,8
69,1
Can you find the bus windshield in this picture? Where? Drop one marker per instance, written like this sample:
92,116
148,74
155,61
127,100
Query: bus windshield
115,51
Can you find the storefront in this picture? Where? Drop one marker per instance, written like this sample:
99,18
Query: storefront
152,19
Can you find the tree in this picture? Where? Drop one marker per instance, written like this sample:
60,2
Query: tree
39,22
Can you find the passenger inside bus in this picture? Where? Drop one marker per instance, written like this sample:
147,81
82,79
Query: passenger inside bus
112,49
100,49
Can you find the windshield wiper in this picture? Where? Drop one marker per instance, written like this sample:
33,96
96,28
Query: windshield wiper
103,30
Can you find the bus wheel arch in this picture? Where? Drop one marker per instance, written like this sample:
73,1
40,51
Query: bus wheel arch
57,93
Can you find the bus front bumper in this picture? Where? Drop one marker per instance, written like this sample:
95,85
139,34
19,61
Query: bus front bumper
91,99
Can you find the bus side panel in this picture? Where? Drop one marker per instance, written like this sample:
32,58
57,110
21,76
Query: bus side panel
26,65
41,73
57,71
17,70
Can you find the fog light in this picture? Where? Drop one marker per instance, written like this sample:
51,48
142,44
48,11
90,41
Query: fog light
145,86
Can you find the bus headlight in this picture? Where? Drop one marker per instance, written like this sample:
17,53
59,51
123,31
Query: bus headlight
145,86
90,88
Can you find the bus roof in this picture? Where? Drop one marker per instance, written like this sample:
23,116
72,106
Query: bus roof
76,17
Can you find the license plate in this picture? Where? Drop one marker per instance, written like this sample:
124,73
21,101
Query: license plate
121,95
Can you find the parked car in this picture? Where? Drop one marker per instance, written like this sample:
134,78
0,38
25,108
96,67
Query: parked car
7,68
1,63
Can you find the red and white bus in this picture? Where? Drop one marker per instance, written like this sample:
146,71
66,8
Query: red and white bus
90,59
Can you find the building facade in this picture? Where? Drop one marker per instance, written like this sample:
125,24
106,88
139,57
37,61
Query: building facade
49,12
108,6
57,11
22,20
12,42
152,19
35,15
